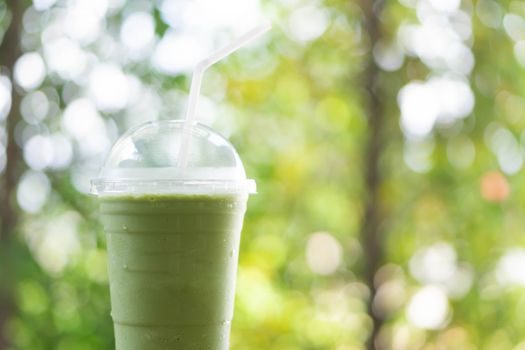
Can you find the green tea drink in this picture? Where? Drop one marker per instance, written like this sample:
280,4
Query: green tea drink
172,265
173,227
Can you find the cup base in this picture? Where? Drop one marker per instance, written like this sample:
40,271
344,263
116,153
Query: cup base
209,337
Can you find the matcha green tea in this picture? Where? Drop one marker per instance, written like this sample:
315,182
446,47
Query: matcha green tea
172,266
173,226
172,199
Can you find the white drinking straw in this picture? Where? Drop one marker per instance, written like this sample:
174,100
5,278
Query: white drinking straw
196,83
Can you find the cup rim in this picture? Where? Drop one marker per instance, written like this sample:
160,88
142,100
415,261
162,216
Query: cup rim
102,187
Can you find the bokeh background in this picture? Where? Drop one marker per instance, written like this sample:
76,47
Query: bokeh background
386,139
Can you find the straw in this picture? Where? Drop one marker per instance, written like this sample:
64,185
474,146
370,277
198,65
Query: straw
196,83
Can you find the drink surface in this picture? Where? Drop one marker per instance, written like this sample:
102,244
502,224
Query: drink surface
172,265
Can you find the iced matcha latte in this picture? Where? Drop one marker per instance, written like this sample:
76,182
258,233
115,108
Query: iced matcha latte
172,265
172,237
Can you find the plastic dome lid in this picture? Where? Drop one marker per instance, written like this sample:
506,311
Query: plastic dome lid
146,160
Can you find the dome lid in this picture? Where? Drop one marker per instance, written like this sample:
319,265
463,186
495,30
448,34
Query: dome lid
147,160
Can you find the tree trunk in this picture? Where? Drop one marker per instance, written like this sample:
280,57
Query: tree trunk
9,52
371,224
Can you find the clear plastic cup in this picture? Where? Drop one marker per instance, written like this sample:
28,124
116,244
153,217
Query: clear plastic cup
173,235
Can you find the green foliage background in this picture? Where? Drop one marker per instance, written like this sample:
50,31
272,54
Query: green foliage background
299,122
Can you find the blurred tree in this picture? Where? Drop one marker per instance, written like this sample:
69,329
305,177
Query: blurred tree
10,51
371,227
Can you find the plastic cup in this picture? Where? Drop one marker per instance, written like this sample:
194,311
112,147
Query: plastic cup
173,236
